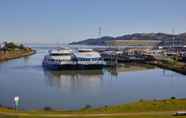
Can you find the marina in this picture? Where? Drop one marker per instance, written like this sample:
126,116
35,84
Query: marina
96,58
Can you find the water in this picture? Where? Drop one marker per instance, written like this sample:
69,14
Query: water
39,88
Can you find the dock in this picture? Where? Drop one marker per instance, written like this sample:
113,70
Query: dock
172,59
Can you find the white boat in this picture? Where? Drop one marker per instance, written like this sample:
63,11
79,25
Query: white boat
59,58
67,59
88,58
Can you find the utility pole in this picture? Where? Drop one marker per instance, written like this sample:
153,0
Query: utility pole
99,31
173,38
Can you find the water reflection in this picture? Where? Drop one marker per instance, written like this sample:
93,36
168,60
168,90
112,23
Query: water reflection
28,67
71,80
85,78
171,75
113,71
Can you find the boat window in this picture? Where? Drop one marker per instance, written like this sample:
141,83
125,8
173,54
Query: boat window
85,51
85,59
96,59
51,60
59,54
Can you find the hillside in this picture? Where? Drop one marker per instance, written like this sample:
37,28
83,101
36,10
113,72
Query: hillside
161,37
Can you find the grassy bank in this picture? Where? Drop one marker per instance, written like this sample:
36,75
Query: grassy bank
143,106
140,109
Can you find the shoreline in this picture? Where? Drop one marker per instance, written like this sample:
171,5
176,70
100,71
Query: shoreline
178,67
14,54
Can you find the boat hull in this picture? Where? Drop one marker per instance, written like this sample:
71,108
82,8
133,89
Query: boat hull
72,66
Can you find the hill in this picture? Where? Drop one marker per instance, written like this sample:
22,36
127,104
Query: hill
163,38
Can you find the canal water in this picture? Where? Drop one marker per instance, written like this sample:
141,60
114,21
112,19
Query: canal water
38,88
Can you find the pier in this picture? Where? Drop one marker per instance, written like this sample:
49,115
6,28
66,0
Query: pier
168,58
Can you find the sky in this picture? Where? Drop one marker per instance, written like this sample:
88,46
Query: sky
65,21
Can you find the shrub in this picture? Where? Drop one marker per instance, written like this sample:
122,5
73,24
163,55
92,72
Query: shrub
173,98
47,108
87,106
106,106
154,100
21,46
141,100
11,45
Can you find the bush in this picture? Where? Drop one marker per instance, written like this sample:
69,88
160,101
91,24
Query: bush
173,98
155,100
11,45
106,106
141,100
47,108
22,46
87,106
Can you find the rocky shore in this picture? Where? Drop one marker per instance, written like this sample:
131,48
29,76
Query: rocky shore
13,54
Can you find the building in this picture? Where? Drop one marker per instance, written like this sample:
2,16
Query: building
2,45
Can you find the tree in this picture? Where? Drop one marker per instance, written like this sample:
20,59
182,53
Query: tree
22,46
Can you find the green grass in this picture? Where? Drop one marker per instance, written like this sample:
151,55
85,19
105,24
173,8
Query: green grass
141,116
143,106
161,107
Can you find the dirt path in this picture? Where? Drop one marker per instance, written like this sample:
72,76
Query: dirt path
86,115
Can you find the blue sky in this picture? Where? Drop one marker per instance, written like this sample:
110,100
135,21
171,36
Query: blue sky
64,21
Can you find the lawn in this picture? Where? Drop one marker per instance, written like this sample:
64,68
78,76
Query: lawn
140,109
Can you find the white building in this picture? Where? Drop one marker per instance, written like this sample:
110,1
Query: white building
2,45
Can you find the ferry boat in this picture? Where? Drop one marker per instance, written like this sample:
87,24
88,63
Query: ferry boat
69,59
88,58
61,58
